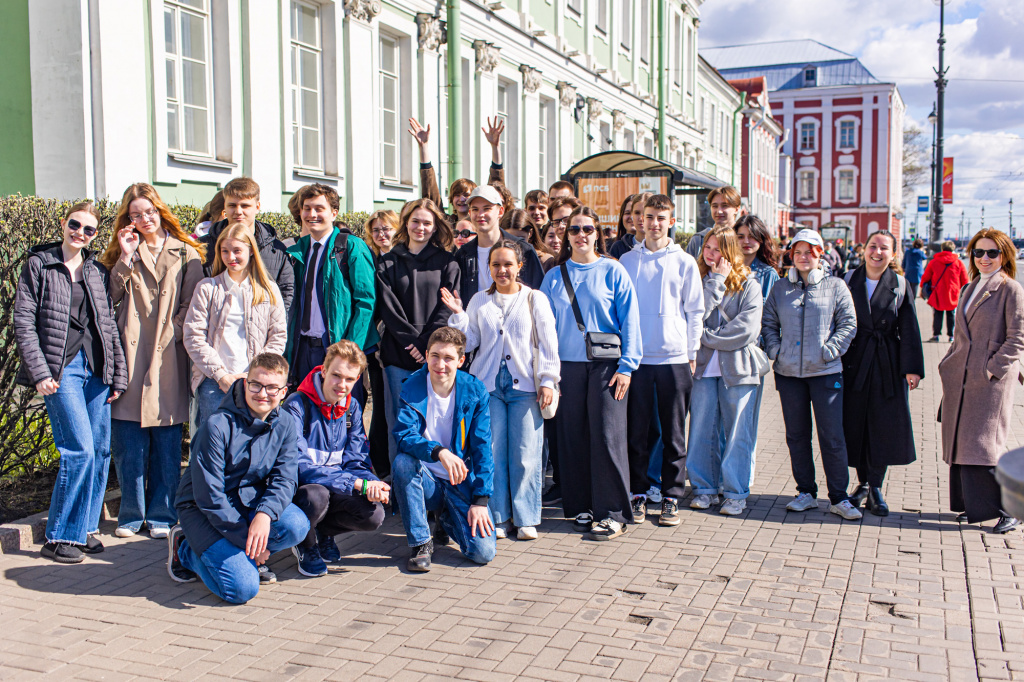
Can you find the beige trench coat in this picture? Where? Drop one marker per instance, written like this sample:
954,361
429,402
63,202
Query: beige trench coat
980,372
151,301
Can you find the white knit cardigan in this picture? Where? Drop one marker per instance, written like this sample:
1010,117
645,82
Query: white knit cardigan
508,337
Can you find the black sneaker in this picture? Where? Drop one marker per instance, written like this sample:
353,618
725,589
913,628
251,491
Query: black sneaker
552,497
583,522
669,513
607,529
329,551
62,553
175,569
266,575
92,544
639,508
440,535
419,560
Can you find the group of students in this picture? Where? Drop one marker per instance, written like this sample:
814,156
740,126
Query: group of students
590,343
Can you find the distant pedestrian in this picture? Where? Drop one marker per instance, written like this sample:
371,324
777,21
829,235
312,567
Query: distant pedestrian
941,283
978,375
913,265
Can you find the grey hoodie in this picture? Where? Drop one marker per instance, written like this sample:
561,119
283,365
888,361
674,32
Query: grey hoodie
733,339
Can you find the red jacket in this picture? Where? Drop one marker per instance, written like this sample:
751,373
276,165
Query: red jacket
948,276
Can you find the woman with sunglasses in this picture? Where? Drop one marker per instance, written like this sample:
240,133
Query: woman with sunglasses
518,223
979,376
885,362
464,232
154,268
71,353
591,424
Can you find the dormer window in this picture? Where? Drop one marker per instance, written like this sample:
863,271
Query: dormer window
810,77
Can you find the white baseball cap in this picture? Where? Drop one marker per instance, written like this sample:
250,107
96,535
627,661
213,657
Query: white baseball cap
812,237
487,193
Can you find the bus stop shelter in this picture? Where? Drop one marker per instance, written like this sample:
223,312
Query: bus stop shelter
604,180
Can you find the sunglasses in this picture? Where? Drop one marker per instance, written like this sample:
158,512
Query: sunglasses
464,234
992,253
585,229
87,230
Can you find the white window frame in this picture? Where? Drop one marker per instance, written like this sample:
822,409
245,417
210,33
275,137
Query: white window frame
839,133
575,7
177,8
645,31
817,135
677,43
838,173
395,76
626,28
601,18
801,174
298,128
813,70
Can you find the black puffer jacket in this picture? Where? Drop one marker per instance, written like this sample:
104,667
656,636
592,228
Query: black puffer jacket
42,314
273,252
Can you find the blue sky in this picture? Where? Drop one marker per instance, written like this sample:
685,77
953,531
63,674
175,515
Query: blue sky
896,41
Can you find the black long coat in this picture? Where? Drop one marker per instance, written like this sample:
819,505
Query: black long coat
887,347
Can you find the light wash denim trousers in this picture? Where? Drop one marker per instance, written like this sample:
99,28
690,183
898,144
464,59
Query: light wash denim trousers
148,464
716,409
80,419
394,377
517,444
228,572
208,399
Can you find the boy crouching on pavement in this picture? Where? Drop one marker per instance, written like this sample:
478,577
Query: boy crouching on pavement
338,490
444,463
235,501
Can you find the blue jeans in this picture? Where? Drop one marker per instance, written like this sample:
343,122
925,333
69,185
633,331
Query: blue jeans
714,409
418,492
517,442
394,377
80,419
225,568
208,399
148,462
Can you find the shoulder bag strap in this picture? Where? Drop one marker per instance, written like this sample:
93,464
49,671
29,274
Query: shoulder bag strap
572,299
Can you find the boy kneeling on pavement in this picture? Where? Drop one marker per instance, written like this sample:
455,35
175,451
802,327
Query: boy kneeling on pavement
444,462
338,490
235,501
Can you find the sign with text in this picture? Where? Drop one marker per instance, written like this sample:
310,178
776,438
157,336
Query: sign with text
606,194
947,180
922,204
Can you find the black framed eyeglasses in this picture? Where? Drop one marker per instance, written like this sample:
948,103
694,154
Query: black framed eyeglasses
585,229
87,230
464,234
256,388
992,253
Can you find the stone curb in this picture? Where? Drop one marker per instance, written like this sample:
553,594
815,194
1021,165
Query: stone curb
21,534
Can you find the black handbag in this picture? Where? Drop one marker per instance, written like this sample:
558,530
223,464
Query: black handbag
927,288
601,346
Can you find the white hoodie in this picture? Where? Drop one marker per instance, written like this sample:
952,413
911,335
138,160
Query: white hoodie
671,297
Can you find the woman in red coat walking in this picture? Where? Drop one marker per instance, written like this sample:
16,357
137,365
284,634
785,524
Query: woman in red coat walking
941,283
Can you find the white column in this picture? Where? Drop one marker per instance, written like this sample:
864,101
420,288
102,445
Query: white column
486,102
430,94
867,133
827,178
363,98
566,126
266,124
884,138
529,142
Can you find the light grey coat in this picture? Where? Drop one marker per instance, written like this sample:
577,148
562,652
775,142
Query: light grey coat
808,327
734,335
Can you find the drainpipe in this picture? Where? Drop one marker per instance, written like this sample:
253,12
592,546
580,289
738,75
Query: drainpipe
662,39
735,146
454,90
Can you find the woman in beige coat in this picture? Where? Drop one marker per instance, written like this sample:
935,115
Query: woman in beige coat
235,315
978,375
154,267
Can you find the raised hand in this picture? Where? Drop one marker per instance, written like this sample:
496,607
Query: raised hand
495,127
128,238
452,300
418,132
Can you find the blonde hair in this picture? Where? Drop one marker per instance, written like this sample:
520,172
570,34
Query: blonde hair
389,218
262,289
729,245
142,190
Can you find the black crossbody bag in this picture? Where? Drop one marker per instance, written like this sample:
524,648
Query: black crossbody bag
601,346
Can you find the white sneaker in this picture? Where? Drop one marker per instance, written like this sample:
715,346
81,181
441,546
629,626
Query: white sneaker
527,533
124,532
160,532
654,495
802,502
846,510
500,532
703,501
733,507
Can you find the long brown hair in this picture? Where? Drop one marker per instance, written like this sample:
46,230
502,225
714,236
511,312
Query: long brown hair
1005,245
442,237
566,252
767,251
518,219
729,245
143,190
255,271
627,207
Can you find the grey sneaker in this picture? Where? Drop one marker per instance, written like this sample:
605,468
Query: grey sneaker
846,510
703,501
654,495
733,507
266,575
802,502
639,506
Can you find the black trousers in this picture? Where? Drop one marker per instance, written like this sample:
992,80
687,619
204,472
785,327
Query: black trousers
591,427
937,316
873,476
551,436
825,395
378,436
309,354
331,513
672,385
974,489
914,289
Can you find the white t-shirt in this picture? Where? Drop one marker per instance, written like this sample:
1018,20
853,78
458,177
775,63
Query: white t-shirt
872,284
483,268
440,415
232,348
713,369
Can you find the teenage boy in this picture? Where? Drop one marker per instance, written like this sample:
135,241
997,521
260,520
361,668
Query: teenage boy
485,210
338,490
458,193
336,278
241,204
561,190
671,297
536,203
725,205
444,458
234,502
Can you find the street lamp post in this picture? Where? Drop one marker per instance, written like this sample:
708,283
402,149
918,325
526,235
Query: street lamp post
940,85
933,119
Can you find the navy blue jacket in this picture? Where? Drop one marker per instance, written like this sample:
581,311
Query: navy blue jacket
913,265
471,430
240,465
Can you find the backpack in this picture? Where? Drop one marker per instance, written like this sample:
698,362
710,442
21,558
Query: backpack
901,286
340,254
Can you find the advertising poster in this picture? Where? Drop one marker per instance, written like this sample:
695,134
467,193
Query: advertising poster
947,180
605,195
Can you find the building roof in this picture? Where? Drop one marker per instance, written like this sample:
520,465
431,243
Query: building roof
782,63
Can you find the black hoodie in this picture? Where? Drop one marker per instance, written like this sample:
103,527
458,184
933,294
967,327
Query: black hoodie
272,251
